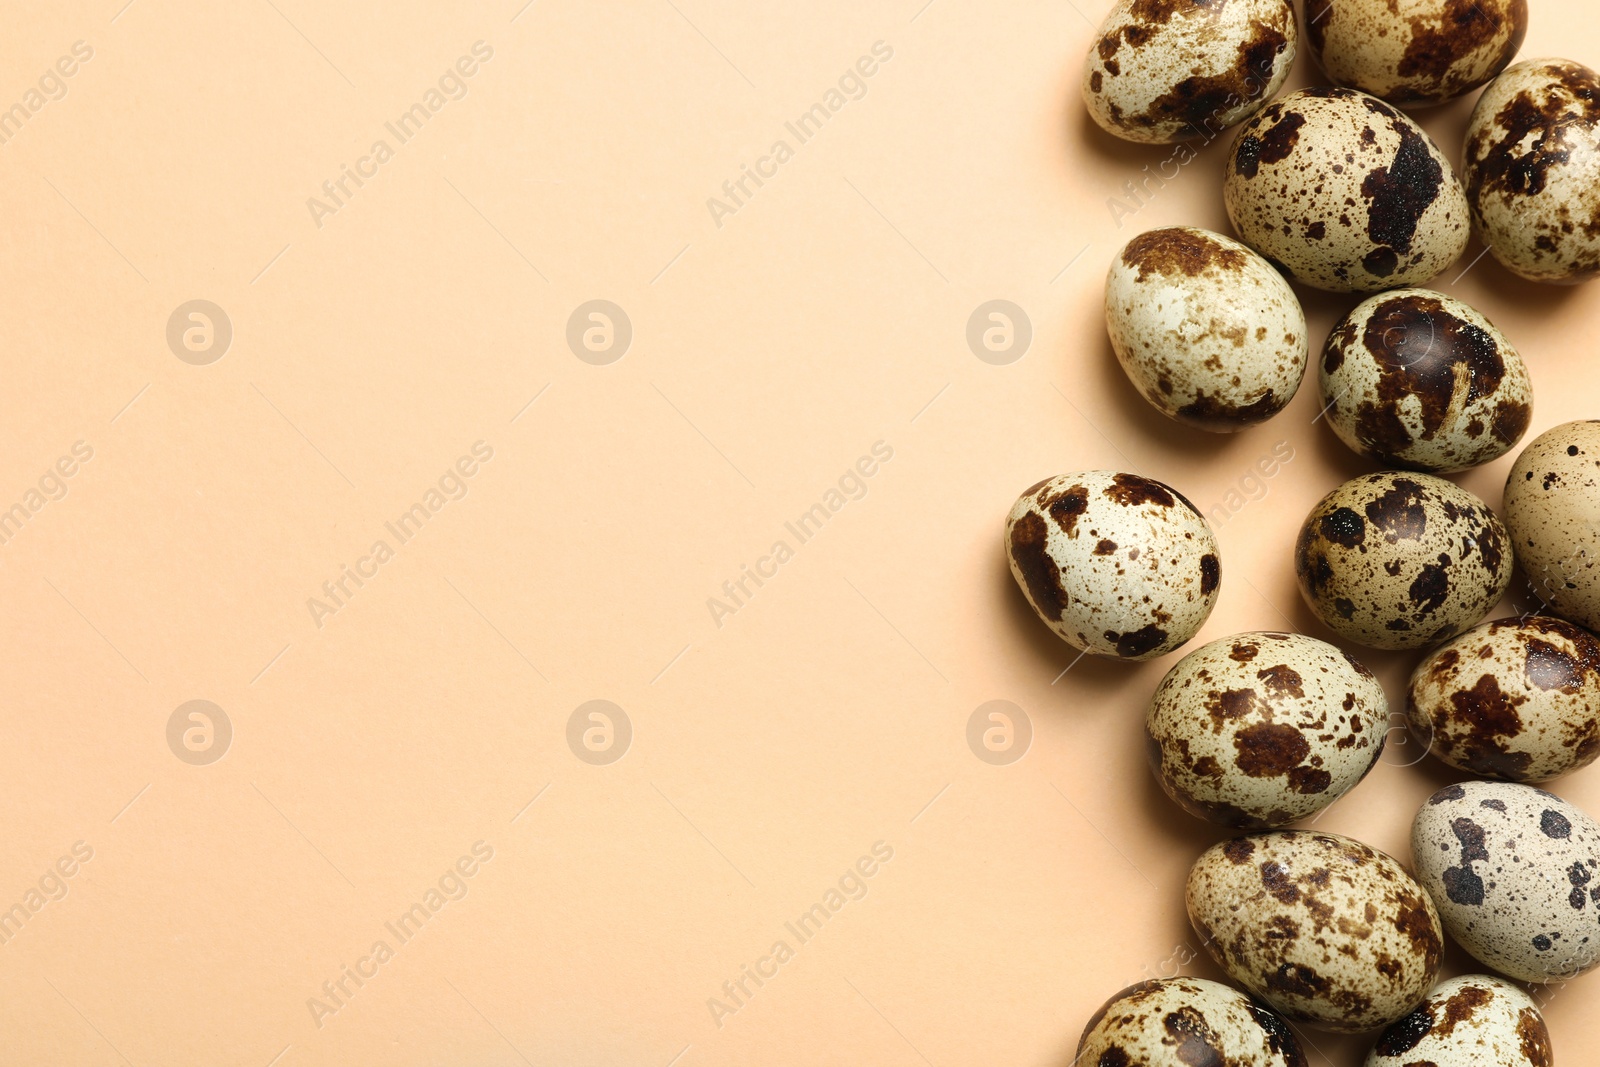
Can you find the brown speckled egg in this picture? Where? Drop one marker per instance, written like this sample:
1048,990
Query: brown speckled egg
1552,504
1533,170
1514,698
1115,564
1208,332
1183,1022
1394,560
1263,729
1417,379
1161,71
1345,192
1515,874
1415,52
1476,1020
1327,930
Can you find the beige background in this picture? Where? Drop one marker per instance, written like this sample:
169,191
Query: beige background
430,711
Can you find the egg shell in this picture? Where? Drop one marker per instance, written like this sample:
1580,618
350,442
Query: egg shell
1181,1022
1207,331
1516,698
1263,729
1398,560
1162,71
1116,564
1552,503
1419,380
1414,52
1344,192
1512,870
1476,1020
1327,930
1532,170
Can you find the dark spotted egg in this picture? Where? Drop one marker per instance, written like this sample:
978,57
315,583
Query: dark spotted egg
1552,504
1417,379
1263,729
1415,52
1395,560
1516,699
1116,564
1185,1022
1345,193
1161,71
1207,331
1533,170
1327,930
1515,872
1476,1020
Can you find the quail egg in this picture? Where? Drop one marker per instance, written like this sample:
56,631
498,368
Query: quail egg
1161,71
1116,564
1533,170
1419,380
1262,729
1208,332
1515,698
1395,560
1552,503
1344,192
1515,872
1182,1022
1415,52
1476,1020
1327,930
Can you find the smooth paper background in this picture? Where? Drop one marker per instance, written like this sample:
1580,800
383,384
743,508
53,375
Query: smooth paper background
818,322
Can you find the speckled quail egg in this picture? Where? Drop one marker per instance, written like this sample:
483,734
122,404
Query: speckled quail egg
1206,330
1417,379
1394,560
1415,52
1327,930
1533,170
1262,729
1116,564
1513,870
1476,1020
1514,698
1552,504
1183,1022
1161,71
1344,192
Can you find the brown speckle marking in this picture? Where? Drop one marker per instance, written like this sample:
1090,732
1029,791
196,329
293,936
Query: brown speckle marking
1178,250
1040,572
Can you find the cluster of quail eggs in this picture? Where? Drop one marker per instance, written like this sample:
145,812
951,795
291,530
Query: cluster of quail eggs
1336,188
